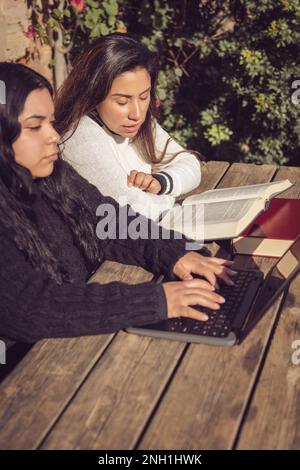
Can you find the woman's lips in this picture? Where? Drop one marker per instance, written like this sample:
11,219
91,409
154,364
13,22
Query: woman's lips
52,157
132,128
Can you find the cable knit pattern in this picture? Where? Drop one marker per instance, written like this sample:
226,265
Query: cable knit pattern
33,307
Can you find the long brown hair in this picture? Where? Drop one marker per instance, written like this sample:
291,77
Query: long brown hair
90,81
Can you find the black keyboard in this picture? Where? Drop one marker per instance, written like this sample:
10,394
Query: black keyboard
219,321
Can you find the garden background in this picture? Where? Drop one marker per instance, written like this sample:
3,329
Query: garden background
229,82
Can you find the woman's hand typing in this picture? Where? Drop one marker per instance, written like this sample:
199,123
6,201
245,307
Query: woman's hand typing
209,267
181,295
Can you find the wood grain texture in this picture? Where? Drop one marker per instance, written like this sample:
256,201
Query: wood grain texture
272,421
206,400
135,418
125,391
37,392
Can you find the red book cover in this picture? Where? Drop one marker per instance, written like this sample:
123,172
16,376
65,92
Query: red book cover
281,221
273,231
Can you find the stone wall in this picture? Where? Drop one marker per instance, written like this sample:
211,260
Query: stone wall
13,42
15,46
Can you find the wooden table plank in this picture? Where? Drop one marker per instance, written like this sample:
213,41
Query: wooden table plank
205,402
36,392
112,432
272,421
134,391
211,175
112,407
279,385
241,174
293,174
165,364
41,386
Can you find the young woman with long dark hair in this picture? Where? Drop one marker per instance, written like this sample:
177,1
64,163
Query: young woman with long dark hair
48,242
106,113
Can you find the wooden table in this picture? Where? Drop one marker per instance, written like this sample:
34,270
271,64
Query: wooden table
123,391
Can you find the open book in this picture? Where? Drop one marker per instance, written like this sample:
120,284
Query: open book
221,213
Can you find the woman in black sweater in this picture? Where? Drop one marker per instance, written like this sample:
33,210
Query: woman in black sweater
48,242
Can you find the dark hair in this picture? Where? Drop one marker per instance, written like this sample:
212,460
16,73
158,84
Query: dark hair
17,185
90,81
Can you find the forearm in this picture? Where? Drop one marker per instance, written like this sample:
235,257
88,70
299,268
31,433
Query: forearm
47,310
131,238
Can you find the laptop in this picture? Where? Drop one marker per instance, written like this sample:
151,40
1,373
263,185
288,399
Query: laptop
245,305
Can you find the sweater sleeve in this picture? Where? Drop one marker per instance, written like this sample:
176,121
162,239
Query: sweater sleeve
33,307
127,237
182,174
90,152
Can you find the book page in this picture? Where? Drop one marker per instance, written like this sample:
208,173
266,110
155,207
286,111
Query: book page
218,213
214,213
214,220
239,192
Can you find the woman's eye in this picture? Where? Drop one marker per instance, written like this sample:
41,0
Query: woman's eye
122,103
36,128
144,98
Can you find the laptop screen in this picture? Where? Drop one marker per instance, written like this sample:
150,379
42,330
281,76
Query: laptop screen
275,282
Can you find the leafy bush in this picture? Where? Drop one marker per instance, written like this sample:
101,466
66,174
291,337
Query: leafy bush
227,68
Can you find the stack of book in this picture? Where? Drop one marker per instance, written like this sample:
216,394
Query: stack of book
272,232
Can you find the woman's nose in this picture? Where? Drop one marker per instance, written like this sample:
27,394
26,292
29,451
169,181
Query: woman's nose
135,111
54,136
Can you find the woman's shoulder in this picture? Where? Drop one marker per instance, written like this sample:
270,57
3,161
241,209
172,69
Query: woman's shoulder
81,185
68,173
87,121
86,127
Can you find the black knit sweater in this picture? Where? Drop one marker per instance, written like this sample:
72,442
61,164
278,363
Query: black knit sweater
32,307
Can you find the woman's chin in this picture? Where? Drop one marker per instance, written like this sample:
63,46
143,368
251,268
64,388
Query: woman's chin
45,172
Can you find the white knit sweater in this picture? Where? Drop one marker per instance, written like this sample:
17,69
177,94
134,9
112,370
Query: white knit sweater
106,159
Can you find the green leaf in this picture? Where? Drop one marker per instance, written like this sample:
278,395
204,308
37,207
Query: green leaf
111,20
58,13
111,7
54,24
104,29
178,72
96,31
161,94
67,13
